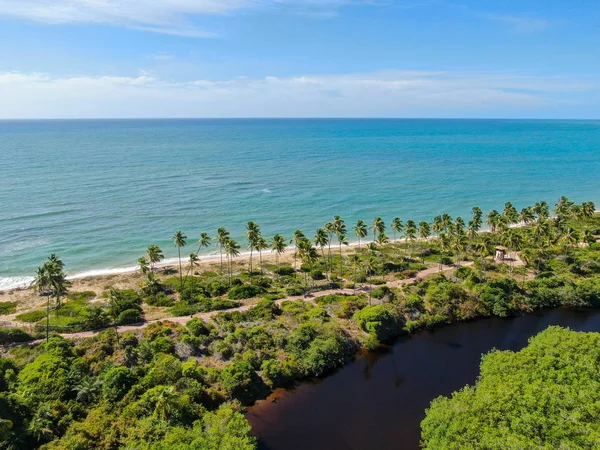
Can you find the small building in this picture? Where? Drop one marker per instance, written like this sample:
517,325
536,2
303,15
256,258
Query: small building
500,253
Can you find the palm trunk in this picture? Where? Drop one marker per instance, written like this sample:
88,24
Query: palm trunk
221,252
250,260
341,262
260,261
180,270
48,318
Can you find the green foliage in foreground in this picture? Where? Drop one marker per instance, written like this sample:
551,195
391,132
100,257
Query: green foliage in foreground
546,396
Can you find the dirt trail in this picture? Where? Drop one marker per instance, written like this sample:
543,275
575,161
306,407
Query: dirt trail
309,297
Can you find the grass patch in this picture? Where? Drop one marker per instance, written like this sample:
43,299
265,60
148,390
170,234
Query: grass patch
32,316
7,307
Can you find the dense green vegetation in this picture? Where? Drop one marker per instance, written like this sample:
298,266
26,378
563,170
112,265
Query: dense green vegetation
168,383
546,396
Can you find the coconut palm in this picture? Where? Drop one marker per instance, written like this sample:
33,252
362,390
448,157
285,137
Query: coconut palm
477,217
321,240
308,255
459,244
569,238
447,221
298,237
41,283
438,225
355,259
510,212
155,255
424,233
192,263
252,234
444,241
232,249
588,209
527,215
361,231
144,265
410,233
180,241
369,265
57,279
261,244
278,246
330,228
397,227
493,218
378,226
222,237
342,239
203,242
542,210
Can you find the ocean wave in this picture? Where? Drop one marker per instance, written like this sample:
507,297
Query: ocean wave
7,283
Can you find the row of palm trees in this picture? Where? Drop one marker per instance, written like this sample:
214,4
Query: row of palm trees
452,233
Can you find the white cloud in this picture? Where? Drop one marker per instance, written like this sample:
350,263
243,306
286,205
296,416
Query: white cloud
521,24
161,16
380,94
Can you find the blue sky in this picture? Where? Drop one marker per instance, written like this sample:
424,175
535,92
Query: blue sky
299,58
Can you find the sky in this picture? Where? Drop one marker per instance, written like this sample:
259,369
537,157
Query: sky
299,58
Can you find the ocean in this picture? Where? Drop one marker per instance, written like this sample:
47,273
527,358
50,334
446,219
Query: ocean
98,192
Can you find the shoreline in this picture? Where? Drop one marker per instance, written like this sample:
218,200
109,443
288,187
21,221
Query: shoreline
24,281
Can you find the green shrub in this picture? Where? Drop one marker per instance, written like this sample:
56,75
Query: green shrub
316,274
129,317
284,271
7,307
160,299
381,292
294,291
117,382
377,281
377,320
245,291
198,327
12,335
32,316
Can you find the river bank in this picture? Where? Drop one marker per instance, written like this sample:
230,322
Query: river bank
379,399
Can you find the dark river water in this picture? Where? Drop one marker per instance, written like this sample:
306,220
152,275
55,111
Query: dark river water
379,400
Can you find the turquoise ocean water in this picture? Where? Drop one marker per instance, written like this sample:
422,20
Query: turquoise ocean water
98,192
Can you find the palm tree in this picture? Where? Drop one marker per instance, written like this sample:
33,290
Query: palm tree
57,279
144,265
369,264
397,226
278,245
444,246
308,254
355,262
222,237
298,237
377,227
180,240
542,210
41,283
261,244
155,255
321,240
232,249
203,242
459,244
252,234
342,240
569,238
459,225
588,209
527,215
193,263
447,221
493,218
438,225
330,228
361,231
410,233
510,212
424,233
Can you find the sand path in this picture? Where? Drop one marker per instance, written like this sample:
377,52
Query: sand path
309,298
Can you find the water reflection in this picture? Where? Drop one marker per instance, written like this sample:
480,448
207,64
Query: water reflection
378,401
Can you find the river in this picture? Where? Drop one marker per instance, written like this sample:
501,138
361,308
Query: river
378,400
